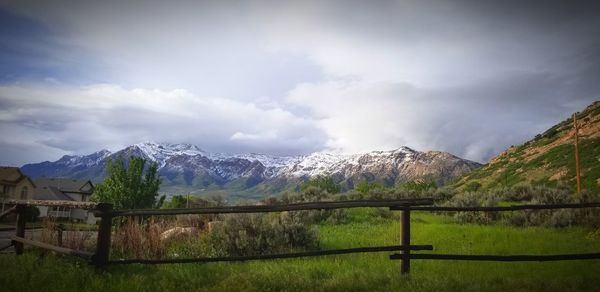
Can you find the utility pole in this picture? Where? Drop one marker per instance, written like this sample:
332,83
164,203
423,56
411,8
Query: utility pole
577,153
187,203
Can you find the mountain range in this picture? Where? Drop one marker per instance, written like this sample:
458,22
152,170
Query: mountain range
187,168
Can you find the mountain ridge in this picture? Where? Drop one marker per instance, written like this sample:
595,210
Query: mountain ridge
547,159
187,166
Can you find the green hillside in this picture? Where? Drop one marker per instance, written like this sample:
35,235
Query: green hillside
548,159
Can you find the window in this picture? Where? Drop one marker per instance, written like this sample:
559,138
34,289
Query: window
24,193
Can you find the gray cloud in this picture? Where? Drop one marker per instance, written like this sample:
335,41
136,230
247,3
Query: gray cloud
469,77
85,119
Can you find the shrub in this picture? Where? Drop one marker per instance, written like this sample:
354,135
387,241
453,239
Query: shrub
314,194
471,199
560,218
71,237
518,218
254,234
472,186
177,201
324,183
31,213
418,185
366,187
140,239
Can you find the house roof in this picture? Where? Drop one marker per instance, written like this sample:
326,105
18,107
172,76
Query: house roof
59,188
51,193
10,175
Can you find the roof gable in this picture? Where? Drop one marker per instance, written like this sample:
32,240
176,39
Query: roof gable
84,187
12,175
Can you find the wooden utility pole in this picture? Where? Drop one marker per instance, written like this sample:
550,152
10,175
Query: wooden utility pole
577,153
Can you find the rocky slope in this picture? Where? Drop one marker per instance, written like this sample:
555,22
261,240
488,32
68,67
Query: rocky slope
187,167
547,159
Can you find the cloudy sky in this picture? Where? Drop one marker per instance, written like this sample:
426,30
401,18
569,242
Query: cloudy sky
291,77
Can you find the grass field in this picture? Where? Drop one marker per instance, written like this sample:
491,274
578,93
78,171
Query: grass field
357,272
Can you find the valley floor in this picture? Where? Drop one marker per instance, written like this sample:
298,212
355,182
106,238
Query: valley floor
358,272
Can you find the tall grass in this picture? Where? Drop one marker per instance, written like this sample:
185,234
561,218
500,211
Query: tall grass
357,272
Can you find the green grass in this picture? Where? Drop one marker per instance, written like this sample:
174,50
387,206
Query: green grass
348,272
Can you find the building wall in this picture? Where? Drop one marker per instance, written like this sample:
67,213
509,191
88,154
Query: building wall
6,191
43,211
79,214
18,190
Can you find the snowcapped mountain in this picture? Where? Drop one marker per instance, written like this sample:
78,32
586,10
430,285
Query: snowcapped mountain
188,166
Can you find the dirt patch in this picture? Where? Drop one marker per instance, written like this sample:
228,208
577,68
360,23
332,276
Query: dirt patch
589,129
559,174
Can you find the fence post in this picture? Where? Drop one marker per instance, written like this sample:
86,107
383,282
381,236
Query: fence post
20,227
100,258
405,230
59,234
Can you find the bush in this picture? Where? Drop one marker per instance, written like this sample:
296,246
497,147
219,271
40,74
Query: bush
471,199
140,239
324,183
532,194
418,185
31,213
472,186
314,194
366,187
255,234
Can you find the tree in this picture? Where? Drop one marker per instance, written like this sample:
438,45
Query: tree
128,187
472,186
421,185
177,201
364,186
323,183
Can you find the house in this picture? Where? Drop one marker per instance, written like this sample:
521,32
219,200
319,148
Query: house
65,190
14,185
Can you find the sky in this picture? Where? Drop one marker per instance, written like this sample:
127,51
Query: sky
291,77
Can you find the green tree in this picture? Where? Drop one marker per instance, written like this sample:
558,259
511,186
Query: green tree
418,185
365,186
323,183
472,186
177,201
129,186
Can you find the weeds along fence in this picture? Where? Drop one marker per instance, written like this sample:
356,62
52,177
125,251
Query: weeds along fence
101,256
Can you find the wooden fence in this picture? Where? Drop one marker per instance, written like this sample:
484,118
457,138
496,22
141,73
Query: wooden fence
101,257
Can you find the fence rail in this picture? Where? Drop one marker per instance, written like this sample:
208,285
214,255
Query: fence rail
501,208
54,203
370,249
58,249
501,258
101,257
276,208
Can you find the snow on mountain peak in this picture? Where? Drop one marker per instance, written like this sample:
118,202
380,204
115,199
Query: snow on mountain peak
318,163
187,162
325,163
161,152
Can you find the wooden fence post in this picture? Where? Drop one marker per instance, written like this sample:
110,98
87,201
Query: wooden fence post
20,227
100,258
405,230
59,234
